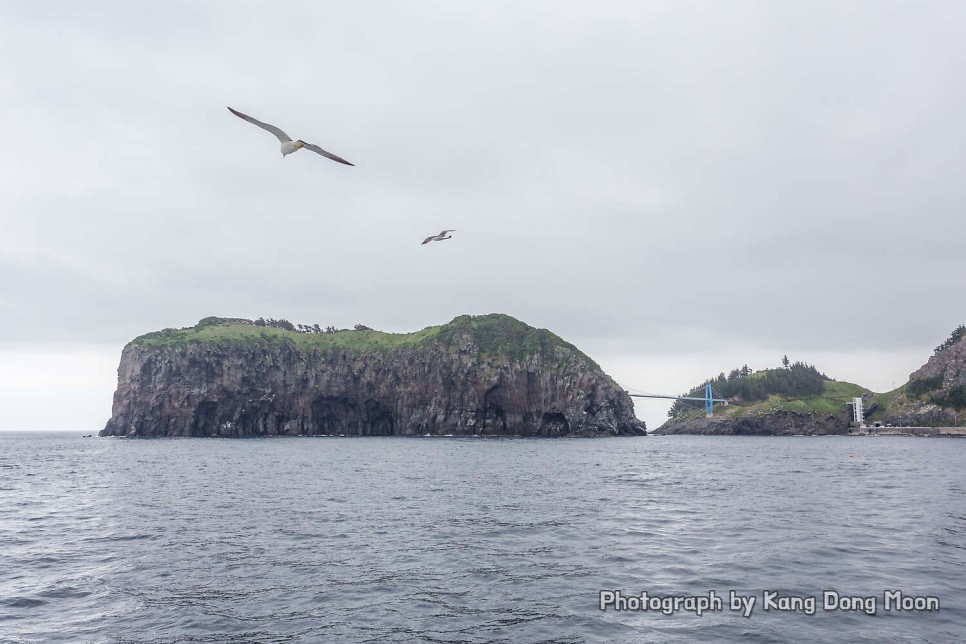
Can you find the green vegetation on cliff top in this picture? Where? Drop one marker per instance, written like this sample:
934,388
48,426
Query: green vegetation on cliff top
747,387
830,397
494,334
832,400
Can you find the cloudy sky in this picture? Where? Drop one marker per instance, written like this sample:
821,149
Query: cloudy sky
678,188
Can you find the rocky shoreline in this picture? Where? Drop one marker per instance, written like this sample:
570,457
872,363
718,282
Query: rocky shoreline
777,423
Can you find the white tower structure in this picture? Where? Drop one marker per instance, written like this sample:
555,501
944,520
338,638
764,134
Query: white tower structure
857,414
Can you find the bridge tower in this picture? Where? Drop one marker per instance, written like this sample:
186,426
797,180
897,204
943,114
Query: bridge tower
709,400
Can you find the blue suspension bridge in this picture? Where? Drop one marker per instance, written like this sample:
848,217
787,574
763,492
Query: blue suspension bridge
708,399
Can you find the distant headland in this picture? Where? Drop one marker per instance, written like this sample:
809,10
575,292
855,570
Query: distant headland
488,375
796,399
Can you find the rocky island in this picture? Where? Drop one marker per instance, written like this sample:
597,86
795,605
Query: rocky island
798,399
488,375
794,400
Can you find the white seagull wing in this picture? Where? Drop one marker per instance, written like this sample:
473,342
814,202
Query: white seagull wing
429,239
328,155
282,136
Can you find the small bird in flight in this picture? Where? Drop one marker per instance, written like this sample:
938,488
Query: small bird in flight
439,237
288,145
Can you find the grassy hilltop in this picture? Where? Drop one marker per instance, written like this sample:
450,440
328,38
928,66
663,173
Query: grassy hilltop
795,399
493,334
935,394
831,400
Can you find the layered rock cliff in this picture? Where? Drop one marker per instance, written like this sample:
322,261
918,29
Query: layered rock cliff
936,392
483,375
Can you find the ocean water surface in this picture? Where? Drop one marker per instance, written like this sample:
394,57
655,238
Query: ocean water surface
478,540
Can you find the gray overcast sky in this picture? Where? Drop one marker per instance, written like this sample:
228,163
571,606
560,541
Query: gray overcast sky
678,188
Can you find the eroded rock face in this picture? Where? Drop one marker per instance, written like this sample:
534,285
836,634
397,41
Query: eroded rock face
936,392
775,423
265,388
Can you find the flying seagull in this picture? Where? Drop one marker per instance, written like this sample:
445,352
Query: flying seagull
288,145
439,237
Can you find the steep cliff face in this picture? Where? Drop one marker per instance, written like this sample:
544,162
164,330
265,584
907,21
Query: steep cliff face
936,392
485,375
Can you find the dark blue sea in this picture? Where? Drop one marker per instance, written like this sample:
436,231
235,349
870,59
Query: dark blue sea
480,540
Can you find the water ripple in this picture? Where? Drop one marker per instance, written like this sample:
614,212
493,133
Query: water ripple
459,540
